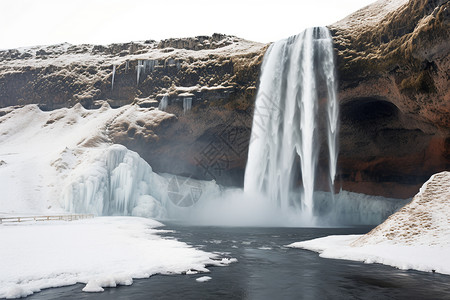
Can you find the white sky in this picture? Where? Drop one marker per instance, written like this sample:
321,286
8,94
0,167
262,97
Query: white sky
43,22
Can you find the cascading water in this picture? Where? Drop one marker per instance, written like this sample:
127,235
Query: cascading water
285,127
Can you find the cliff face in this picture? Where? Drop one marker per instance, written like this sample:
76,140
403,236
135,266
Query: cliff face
216,67
393,66
214,75
393,62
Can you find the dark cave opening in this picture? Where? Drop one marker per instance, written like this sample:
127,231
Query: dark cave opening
368,110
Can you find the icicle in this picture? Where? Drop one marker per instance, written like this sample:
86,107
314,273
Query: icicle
113,76
187,104
139,69
164,103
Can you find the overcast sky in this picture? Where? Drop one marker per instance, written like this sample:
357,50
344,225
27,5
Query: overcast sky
43,22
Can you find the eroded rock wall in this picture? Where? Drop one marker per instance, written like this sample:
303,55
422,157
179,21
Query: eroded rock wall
393,62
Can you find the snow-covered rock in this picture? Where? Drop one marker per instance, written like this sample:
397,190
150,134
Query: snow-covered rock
423,221
415,237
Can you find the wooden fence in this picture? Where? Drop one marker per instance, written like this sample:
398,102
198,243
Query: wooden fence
4,220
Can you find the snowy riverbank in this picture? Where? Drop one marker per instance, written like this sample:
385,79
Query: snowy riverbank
101,252
416,237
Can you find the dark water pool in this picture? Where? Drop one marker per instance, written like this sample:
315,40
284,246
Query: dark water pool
268,270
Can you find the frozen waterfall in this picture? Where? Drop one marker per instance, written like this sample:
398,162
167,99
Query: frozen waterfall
187,104
118,182
113,76
139,70
164,103
284,146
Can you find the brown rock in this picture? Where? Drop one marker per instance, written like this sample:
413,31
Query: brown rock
393,67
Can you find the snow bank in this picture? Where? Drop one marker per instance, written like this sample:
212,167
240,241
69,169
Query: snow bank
41,148
101,252
416,237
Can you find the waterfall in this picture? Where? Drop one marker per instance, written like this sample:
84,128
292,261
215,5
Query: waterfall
284,144
332,104
113,76
164,103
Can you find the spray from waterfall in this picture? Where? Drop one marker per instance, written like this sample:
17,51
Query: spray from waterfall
284,146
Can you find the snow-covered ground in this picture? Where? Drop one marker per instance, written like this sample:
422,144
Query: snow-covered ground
416,237
101,252
370,15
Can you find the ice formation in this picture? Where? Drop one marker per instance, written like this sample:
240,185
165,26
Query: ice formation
81,171
285,128
117,182
187,104
203,279
139,69
145,67
113,76
164,102
100,252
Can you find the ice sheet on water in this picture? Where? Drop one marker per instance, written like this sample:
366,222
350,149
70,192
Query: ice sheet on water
100,252
203,279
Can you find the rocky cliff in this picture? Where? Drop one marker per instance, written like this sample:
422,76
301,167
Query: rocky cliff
393,62
214,75
393,66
